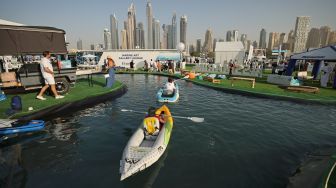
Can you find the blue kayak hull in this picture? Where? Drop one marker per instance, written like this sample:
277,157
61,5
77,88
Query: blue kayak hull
33,125
172,99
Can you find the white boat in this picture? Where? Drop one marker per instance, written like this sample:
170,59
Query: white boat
142,151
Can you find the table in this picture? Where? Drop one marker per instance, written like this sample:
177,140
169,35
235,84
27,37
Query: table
88,73
242,78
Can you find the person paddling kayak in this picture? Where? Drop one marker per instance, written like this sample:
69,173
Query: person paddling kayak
169,87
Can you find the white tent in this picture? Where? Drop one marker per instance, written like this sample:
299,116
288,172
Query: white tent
89,56
226,51
325,53
6,22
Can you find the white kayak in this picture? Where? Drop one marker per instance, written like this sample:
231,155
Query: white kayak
142,151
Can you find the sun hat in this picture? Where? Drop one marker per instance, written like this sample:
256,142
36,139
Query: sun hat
109,57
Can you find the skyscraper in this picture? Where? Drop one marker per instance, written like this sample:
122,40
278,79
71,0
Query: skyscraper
125,25
313,40
324,34
255,44
235,36
114,32
131,26
248,44
191,48
301,33
291,40
149,13
229,36
198,45
140,36
174,31
273,41
282,38
183,29
156,34
92,47
170,37
164,41
107,39
207,46
262,39
123,39
79,44
243,39
332,38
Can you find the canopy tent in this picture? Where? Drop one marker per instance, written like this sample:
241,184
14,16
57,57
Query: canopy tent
166,57
327,53
7,22
31,40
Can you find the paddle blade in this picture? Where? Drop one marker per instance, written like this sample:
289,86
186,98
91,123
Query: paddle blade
125,110
196,119
186,77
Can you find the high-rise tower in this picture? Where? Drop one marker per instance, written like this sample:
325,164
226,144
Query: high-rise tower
114,32
301,33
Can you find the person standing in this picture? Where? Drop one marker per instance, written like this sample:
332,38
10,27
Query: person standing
325,73
230,67
111,72
132,65
170,67
158,64
334,76
146,66
48,75
151,65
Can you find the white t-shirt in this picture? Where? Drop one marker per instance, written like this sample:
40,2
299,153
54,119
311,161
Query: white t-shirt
170,86
45,62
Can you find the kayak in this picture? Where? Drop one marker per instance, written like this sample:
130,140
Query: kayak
164,98
142,151
8,127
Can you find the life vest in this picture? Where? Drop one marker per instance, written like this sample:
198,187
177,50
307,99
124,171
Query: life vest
151,124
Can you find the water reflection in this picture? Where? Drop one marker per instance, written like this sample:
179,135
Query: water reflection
62,130
12,171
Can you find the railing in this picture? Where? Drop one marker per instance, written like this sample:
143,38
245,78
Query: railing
224,69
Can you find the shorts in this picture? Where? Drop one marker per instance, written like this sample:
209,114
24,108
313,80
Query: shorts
49,80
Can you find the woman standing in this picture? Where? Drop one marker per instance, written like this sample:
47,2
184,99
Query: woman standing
111,72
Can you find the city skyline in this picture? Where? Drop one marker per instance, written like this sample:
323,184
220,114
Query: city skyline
249,21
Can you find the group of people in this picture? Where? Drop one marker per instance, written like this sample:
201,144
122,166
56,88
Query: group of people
281,67
159,66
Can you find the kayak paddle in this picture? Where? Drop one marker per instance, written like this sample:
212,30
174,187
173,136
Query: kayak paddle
194,119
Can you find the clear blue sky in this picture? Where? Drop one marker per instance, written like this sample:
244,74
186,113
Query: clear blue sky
86,19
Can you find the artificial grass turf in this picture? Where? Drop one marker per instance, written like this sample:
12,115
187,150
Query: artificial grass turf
326,95
81,91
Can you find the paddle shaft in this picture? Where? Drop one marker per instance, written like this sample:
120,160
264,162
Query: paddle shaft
182,117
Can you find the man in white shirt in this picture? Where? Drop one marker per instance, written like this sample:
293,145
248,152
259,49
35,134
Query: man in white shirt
325,73
169,87
48,75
